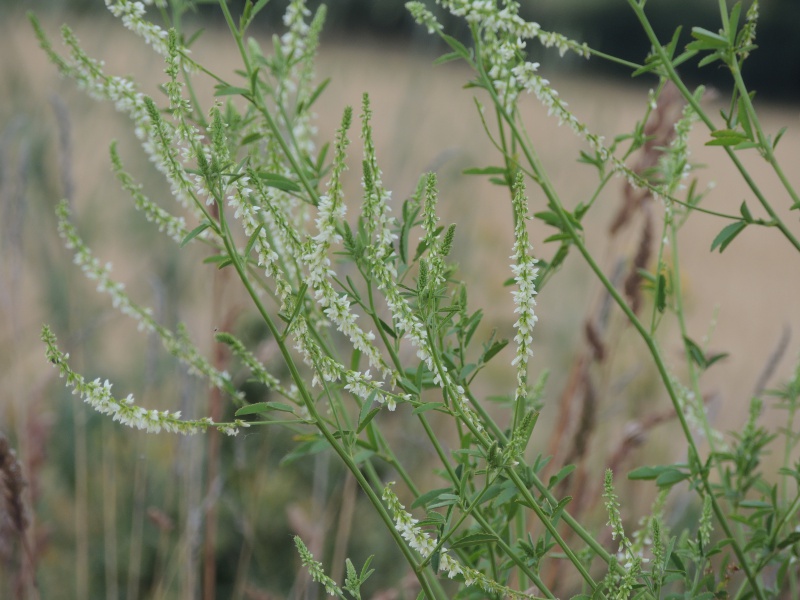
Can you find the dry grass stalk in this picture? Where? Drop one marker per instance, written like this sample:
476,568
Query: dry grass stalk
580,444
633,287
566,404
635,433
594,340
15,518
772,362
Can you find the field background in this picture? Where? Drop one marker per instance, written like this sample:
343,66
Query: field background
118,514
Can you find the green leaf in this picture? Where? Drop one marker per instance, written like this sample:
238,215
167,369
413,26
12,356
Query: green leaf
279,181
695,353
457,46
445,500
485,171
261,407
754,504
707,39
308,448
778,137
708,59
362,455
430,496
388,328
661,293
433,518
562,504
315,94
493,350
710,360
726,236
549,217
733,22
252,409
450,56
252,241
727,137
426,407
670,477
230,90
789,540
558,237
474,539
299,302
249,139
216,258
563,473
745,212
363,422
194,233
647,473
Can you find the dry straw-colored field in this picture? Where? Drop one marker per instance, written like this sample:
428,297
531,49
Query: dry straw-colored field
424,119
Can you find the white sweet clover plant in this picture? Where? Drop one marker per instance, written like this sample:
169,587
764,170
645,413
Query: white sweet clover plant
252,186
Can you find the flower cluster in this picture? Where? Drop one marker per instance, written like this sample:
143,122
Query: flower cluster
330,214
407,526
258,221
423,16
375,209
503,34
315,568
694,410
630,560
525,271
748,35
706,521
408,324
438,249
674,164
131,14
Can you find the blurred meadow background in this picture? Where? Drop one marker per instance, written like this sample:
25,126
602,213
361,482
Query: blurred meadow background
116,513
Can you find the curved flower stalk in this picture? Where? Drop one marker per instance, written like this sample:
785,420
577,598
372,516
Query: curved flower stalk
166,146
172,226
257,368
98,395
177,345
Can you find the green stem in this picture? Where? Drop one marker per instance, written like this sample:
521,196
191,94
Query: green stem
766,146
689,97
